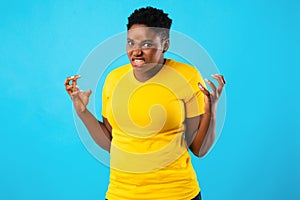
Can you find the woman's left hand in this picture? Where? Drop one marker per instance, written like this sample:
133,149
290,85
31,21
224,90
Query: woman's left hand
211,98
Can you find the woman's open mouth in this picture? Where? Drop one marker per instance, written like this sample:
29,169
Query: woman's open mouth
136,62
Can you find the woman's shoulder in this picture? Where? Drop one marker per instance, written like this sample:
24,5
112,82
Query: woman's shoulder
183,68
118,72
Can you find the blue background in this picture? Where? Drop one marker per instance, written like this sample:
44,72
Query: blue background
255,44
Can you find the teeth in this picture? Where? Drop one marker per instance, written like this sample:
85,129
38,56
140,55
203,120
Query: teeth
138,61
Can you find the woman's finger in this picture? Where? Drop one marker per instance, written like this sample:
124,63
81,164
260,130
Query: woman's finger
218,78
88,93
221,82
75,94
69,89
71,78
75,86
67,81
223,79
203,89
213,87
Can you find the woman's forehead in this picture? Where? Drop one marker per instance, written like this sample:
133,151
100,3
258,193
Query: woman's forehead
142,33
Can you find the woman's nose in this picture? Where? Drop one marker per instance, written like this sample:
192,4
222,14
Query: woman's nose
137,52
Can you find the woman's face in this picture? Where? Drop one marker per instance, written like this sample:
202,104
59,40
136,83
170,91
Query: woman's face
144,48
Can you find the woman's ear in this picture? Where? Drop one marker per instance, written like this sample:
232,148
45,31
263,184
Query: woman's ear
166,45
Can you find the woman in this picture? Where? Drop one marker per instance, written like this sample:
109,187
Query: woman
154,110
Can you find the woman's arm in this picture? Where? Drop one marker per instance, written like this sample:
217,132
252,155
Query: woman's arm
99,131
200,130
198,134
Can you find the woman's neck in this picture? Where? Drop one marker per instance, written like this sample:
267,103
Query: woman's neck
143,76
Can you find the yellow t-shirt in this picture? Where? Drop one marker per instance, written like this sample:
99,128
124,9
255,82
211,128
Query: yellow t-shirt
148,156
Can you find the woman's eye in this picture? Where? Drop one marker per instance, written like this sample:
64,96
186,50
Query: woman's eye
147,45
130,43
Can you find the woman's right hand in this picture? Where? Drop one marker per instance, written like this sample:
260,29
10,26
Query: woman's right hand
80,99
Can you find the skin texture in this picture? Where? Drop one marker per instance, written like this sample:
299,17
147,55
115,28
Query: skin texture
145,50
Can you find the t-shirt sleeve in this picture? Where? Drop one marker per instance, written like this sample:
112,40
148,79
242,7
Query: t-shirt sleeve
105,96
194,102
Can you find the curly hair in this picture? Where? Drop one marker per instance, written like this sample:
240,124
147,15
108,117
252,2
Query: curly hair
151,17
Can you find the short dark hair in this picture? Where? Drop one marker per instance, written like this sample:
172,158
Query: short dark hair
151,17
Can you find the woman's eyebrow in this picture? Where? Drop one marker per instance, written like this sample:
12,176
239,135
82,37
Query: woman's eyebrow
144,41
129,39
